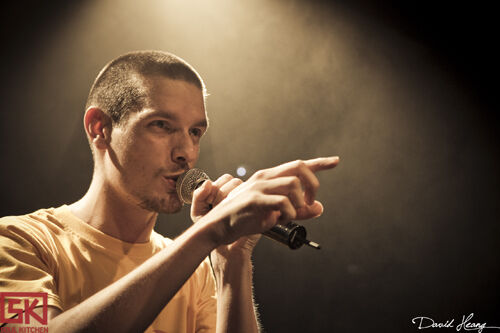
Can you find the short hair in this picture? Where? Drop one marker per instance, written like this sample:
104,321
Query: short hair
119,88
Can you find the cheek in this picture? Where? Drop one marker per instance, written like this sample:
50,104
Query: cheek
146,155
131,153
139,153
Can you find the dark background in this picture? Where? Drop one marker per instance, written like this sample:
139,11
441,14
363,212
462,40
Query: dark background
404,92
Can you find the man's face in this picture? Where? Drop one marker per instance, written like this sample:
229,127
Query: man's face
151,148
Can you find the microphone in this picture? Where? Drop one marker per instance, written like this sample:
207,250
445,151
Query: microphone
292,234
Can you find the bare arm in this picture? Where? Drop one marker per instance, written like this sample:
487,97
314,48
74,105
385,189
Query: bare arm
276,195
232,264
133,302
235,308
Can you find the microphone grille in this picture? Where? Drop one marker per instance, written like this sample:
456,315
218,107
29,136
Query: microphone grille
188,182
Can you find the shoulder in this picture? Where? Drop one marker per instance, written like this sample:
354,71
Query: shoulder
36,224
34,233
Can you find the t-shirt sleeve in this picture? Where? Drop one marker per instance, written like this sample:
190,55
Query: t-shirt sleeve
24,263
207,303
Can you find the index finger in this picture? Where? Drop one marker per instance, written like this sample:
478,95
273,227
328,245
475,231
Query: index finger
304,170
322,163
290,168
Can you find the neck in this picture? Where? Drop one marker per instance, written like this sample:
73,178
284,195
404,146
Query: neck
104,209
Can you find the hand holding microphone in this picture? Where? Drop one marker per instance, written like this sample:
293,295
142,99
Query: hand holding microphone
273,195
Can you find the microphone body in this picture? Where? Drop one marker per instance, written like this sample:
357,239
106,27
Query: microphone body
292,234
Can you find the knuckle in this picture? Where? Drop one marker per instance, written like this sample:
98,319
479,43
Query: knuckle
283,200
237,181
256,185
295,182
222,180
226,176
259,174
299,164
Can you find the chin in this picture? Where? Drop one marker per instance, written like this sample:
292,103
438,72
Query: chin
168,205
171,209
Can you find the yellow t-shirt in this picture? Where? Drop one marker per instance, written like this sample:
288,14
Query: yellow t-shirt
53,251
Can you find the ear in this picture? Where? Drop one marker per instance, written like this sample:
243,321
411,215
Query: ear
98,127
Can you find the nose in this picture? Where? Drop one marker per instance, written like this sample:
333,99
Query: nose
185,150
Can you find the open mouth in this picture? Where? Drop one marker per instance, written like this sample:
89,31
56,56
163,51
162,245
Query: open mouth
174,178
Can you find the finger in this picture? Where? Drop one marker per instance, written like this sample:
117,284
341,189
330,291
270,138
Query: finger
315,164
289,186
202,192
307,178
305,171
286,169
222,180
302,169
309,211
322,163
199,205
226,189
310,183
281,204
211,199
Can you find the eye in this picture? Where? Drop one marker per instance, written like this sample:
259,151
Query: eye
159,123
162,125
197,132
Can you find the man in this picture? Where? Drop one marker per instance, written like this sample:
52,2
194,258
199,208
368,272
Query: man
99,260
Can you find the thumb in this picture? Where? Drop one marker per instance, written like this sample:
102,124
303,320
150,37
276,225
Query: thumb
202,192
310,211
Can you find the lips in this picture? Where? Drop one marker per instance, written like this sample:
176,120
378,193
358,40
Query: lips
174,178
171,181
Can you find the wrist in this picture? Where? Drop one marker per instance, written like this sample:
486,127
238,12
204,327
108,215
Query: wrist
217,228
231,269
210,227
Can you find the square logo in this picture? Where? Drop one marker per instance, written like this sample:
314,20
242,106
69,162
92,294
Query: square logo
22,304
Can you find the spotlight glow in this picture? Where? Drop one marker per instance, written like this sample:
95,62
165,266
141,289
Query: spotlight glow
241,171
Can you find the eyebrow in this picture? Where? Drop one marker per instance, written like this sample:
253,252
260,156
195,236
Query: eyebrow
171,116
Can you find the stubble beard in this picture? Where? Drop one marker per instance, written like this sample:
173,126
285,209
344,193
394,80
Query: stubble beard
164,202
166,205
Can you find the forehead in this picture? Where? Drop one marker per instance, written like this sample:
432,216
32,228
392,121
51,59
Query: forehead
163,91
